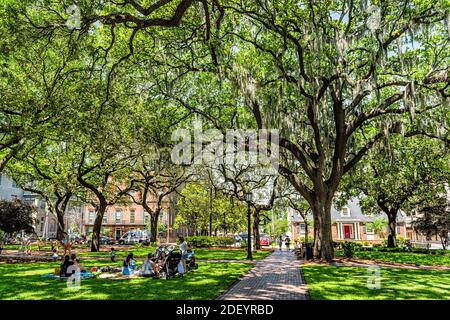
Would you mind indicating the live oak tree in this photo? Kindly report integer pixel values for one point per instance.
(102, 149)
(103, 168)
(400, 175)
(335, 78)
(32, 83)
(155, 181)
(48, 172)
(243, 176)
(321, 72)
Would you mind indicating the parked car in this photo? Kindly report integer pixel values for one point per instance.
(264, 240)
(244, 236)
(106, 240)
(135, 236)
(52, 238)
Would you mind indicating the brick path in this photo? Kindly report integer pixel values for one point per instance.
(277, 277)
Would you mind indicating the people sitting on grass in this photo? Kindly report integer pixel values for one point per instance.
(55, 254)
(64, 266)
(128, 265)
(150, 268)
(77, 264)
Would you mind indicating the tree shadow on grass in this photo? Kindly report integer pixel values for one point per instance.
(208, 282)
(331, 282)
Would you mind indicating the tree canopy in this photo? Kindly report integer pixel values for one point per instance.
(335, 78)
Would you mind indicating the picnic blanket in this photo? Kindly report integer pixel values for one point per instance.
(83, 275)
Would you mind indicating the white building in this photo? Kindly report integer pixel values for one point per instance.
(45, 222)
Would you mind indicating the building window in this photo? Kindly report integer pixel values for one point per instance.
(132, 216)
(118, 218)
(91, 216)
(42, 225)
(369, 230)
(397, 230)
(105, 218)
(345, 212)
(146, 218)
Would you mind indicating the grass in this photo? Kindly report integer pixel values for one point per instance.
(351, 283)
(24, 281)
(403, 257)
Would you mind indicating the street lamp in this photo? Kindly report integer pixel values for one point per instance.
(249, 199)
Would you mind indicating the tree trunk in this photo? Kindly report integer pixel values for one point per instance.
(95, 245)
(60, 225)
(392, 227)
(306, 229)
(256, 235)
(323, 241)
(210, 212)
(249, 234)
(153, 226)
(444, 241)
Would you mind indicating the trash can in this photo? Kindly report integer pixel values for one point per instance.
(309, 251)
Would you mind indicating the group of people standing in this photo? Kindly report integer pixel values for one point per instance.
(287, 242)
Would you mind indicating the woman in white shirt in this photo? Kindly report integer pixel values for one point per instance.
(183, 249)
(149, 268)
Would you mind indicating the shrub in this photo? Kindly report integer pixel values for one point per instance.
(349, 248)
(310, 239)
(401, 241)
(207, 241)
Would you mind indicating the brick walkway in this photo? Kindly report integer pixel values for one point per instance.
(277, 277)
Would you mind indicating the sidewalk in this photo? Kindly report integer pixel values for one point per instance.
(277, 277)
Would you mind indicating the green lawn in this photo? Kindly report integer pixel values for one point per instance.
(403, 257)
(200, 253)
(142, 252)
(350, 283)
(24, 281)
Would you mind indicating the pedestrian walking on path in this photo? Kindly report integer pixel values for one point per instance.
(277, 277)
(287, 242)
(280, 242)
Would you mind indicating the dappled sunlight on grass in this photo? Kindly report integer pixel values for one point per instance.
(403, 257)
(25, 282)
(351, 283)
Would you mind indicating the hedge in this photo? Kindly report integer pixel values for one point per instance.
(207, 241)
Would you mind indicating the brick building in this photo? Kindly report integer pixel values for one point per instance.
(119, 219)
